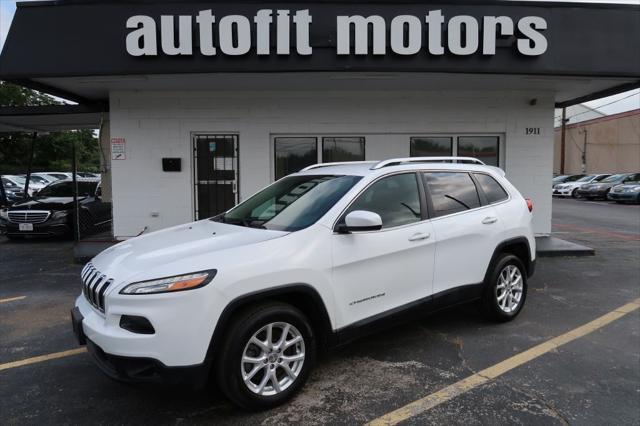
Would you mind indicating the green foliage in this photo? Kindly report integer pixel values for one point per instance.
(52, 152)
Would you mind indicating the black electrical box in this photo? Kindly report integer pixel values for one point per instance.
(171, 164)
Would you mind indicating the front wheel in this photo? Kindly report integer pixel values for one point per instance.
(574, 193)
(506, 289)
(266, 357)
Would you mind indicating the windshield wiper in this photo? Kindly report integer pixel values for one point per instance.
(457, 201)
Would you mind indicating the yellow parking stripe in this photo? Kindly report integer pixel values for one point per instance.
(446, 394)
(41, 358)
(12, 299)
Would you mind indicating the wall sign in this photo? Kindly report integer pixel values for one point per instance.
(235, 35)
(118, 149)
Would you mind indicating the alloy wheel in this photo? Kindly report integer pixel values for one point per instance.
(272, 359)
(509, 288)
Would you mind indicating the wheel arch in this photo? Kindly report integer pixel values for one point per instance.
(302, 296)
(519, 247)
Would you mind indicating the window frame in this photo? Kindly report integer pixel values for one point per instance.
(364, 145)
(275, 151)
(454, 142)
(481, 197)
(498, 150)
(452, 139)
(424, 206)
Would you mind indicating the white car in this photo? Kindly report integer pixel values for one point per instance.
(314, 260)
(570, 189)
(35, 184)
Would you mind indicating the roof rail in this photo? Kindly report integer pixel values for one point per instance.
(338, 163)
(396, 161)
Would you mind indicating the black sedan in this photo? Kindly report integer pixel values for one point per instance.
(626, 193)
(12, 192)
(51, 211)
(601, 189)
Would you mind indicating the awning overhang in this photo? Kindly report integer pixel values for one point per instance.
(50, 118)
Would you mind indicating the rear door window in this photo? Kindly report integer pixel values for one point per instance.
(491, 188)
(451, 192)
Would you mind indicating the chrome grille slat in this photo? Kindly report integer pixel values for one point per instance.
(28, 216)
(94, 286)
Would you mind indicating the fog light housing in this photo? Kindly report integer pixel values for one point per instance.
(136, 324)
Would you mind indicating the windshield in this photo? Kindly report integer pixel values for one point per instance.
(290, 204)
(574, 178)
(8, 184)
(37, 179)
(65, 189)
(614, 178)
(585, 179)
(560, 178)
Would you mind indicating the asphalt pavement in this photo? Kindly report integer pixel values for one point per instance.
(594, 379)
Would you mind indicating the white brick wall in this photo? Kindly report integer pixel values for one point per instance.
(160, 124)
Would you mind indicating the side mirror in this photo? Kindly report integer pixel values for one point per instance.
(361, 220)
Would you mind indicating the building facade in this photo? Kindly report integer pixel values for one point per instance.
(204, 104)
(609, 144)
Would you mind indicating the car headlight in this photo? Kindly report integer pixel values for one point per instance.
(636, 189)
(60, 214)
(170, 284)
(4, 214)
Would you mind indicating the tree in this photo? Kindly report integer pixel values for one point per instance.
(52, 152)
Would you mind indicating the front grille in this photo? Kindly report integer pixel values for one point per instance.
(94, 285)
(29, 216)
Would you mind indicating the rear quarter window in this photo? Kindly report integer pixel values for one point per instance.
(451, 192)
(491, 188)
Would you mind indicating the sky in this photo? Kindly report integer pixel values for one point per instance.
(609, 105)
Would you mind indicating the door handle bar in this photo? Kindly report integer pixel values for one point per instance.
(419, 236)
(489, 220)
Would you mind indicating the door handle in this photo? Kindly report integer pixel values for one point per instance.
(489, 220)
(419, 236)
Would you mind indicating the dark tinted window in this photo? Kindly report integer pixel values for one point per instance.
(395, 198)
(451, 192)
(484, 148)
(294, 154)
(65, 189)
(491, 188)
(431, 146)
(342, 149)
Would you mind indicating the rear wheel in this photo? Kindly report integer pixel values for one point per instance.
(266, 356)
(505, 289)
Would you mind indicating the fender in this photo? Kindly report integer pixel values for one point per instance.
(319, 315)
(528, 263)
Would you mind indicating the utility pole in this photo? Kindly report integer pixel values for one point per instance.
(28, 176)
(74, 167)
(562, 139)
(584, 152)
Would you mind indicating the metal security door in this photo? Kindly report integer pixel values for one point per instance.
(215, 173)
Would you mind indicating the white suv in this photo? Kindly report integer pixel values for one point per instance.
(318, 258)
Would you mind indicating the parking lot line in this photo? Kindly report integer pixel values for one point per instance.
(41, 358)
(12, 299)
(452, 391)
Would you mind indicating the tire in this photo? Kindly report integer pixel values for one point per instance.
(254, 321)
(501, 310)
(574, 193)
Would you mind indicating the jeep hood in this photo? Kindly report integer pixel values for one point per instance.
(172, 245)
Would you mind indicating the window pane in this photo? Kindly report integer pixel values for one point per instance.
(342, 149)
(294, 154)
(492, 189)
(451, 192)
(431, 146)
(395, 199)
(484, 148)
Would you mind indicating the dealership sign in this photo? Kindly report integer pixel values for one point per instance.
(432, 33)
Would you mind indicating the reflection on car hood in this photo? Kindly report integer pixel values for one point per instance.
(170, 245)
(45, 203)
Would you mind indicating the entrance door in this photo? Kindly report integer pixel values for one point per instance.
(215, 173)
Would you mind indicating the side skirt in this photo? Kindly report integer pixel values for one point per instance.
(409, 312)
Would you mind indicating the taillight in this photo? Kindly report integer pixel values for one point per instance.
(529, 204)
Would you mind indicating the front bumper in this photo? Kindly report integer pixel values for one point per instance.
(624, 196)
(39, 229)
(568, 192)
(592, 193)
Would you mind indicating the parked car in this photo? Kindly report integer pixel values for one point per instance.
(51, 211)
(19, 181)
(12, 191)
(627, 192)
(69, 175)
(313, 260)
(565, 178)
(570, 189)
(601, 189)
(46, 177)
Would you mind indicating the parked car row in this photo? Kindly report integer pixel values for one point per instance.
(38, 181)
(620, 187)
(51, 211)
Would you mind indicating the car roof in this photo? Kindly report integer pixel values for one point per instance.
(365, 168)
